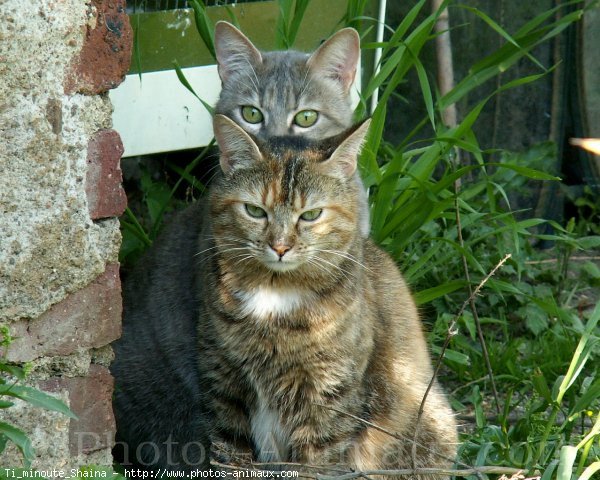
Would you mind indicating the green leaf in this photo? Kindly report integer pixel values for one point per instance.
(477, 401)
(368, 156)
(589, 471)
(37, 398)
(233, 17)
(3, 442)
(5, 404)
(591, 394)
(452, 355)
(425, 296)
(186, 84)
(541, 386)
(568, 454)
(592, 270)
(581, 355)
(549, 471)
(469, 321)
(12, 370)
(135, 227)
(204, 25)
(497, 28)
(588, 243)
(291, 13)
(20, 440)
(536, 319)
(526, 172)
(425, 90)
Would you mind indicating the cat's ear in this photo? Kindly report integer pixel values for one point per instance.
(238, 150)
(337, 58)
(343, 161)
(233, 50)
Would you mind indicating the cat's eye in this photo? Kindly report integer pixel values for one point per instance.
(306, 118)
(254, 211)
(311, 215)
(252, 114)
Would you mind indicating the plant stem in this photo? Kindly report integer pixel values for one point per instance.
(137, 228)
(546, 434)
(472, 300)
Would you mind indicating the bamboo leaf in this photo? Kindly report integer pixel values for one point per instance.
(204, 25)
(429, 294)
(186, 84)
(368, 156)
(592, 393)
(581, 355)
(425, 89)
(498, 29)
(233, 17)
(526, 171)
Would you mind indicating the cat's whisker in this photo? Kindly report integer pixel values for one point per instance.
(212, 248)
(255, 81)
(342, 271)
(243, 259)
(316, 264)
(305, 83)
(320, 257)
(347, 256)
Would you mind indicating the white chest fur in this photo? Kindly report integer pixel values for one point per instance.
(266, 302)
(271, 438)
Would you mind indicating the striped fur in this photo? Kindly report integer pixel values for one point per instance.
(287, 351)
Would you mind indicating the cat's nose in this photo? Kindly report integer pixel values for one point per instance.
(280, 248)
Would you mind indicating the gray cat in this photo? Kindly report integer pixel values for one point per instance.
(161, 418)
(273, 94)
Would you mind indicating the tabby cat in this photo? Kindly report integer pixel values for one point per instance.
(157, 396)
(305, 324)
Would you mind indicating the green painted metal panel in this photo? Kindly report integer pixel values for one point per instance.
(162, 37)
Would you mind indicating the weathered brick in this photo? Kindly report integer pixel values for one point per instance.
(90, 317)
(106, 53)
(91, 400)
(105, 194)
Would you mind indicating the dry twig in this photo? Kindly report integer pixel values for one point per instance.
(451, 332)
(472, 300)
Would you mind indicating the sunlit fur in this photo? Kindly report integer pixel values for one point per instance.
(281, 347)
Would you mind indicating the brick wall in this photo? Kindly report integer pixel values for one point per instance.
(60, 191)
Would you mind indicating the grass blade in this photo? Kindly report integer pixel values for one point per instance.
(186, 84)
(204, 25)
